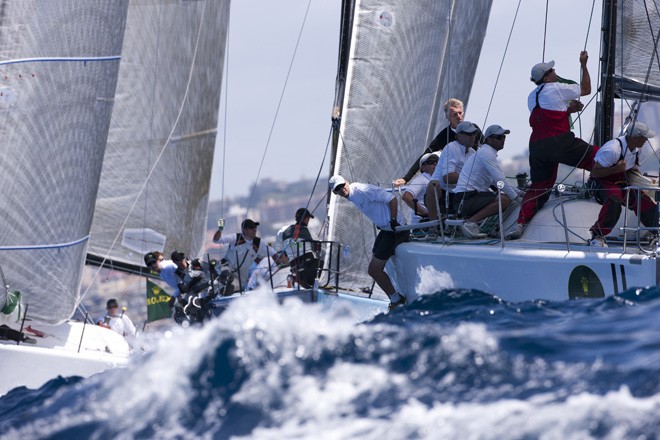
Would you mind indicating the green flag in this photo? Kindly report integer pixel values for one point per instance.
(157, 299)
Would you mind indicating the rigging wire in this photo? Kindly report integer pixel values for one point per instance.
(499, 71)
(224, 123)
(279, 105)
(545, 29)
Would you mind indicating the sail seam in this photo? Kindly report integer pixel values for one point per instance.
(45, 246)
(60, 59)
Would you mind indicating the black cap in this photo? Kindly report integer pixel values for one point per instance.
(150, 259)
(177, 256)
(302, 213)
(111, 303)
(249, 224)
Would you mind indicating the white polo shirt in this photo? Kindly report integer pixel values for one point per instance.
(609, 154)
(451, 160)
(373, 202)
(481, 170)
(554, 96)
(417, 188)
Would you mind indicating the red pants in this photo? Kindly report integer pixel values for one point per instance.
(544, 157)
(614, 197)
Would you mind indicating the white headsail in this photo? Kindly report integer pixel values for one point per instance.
(156, 173)
(58, 72)
(405, 59)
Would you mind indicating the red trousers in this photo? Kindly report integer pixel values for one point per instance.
(614, 197)
(544, 157)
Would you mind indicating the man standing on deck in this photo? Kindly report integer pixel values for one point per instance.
(454, 112)
(381, 208)
(552, 142)
(119, 322)
(245, 248)
(612, 161)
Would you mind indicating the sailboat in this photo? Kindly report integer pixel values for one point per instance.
(107, 147)
(553, 260)
(385, 98)
(383, 106)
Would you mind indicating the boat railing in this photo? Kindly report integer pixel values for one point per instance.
(317, 260)
(639, 228)
(564, 193)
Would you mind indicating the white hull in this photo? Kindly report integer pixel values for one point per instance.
(57, 354)
(542, 265)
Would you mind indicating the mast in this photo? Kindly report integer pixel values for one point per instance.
(605, 118)
(346, 31)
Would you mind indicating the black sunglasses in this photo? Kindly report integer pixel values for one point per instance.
(430, 162)
(499, 137)
(338, 188)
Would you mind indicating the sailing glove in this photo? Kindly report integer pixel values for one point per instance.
(221, 224)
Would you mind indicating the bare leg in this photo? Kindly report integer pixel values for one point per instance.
(431, 199)
(377, 272)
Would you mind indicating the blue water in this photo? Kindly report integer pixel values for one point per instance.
(457, 364)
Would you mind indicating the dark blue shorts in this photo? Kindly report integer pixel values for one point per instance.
(387, 241)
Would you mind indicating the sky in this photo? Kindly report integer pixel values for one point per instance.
(261, 42)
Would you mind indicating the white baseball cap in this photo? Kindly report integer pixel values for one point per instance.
(336, 181)
(426, 157)
(640, 129)
(495, 129)
(539, 70)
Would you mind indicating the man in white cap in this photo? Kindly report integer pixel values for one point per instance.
(381, 208)
(474, 200)
(439, 191)
(414, 194)
(454, 112)
(552, 142)
(612, 161)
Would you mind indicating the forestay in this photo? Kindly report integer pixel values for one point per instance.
(405, 60)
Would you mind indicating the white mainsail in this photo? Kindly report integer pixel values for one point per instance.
(165, 119)
(58, 72)
(406, 59)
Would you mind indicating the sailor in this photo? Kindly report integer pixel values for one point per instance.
(244, 249)
(454, 112)
(119, 322)
(474, 199)
(609, 173)
(275, 268)
(439, 191)
(552, 142)
(302, 248)
(196, 287)
(381, 208)
(414, 194)
(156, 262)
